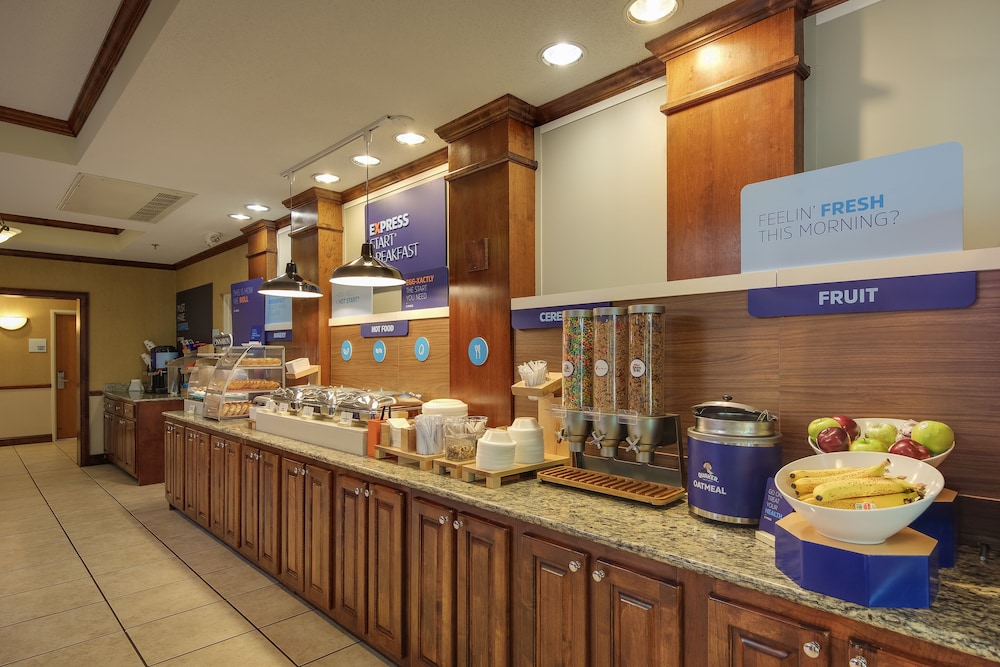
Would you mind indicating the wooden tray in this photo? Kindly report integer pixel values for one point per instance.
(552, 385)
(445, 466)
(612, 485)
(494, 478)
(423, 461)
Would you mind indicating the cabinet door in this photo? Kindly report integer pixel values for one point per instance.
(293, 555)
(349, 553)
(250, 503)
(197, 462)
(483, 592)
(318, 536)
(269, 535)
(552, 617)
(126, 445)
(432, 584)
(636, 618)
(217, 486)
(110, 426)
(740, 635)
(231, 517)
(171, 453)
(865, 655)
(386, 556)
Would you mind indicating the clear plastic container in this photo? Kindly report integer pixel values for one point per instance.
(611, 359)
(578, 359)
(461, 435)
(647, 349)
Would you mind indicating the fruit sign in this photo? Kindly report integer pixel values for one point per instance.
(892, 206)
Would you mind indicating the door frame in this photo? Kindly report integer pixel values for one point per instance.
(53, 317)
(84, 457)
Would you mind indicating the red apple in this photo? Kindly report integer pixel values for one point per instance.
(834, 439)
(850, 425)
(911, 448)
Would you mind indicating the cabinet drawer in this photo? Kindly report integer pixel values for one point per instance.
(127, 410)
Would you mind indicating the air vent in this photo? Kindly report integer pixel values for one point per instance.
(122, 200)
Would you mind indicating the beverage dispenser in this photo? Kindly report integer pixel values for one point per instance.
(159, 356)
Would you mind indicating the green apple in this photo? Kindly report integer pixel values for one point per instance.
(869, 445)
(817, 425)
(882, 431)
(935, 436)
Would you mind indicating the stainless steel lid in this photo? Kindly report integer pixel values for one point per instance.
(726, 417)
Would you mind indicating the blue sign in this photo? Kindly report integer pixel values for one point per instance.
(545, 318)
(398, 328)
(944, 290)
(428, 289)
(346, 350)
(378, 351)
(891, 206)
(247, 307)
(478, 351)
(408, 229)
(421, 349)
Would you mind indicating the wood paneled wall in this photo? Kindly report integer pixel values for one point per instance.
(933, 364)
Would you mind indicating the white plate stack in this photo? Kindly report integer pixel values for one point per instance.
(527, 434)
(495, 450)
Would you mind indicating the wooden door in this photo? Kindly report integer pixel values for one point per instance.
(269, 535)
(483, 588)
(293, 555)
(350, 527)
(110, 429)
(173, 454)
(743, 636)
(67, 381)
(552, 581)
(318, 536)
(386, 569)
(636, 619)
(197, 462)
(126, 445)
(217, 486)
(250, 504)
(432, 584)
(231, 515)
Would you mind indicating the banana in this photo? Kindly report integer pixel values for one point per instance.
(819, 472)
(860, 487)
(868, 502)
(808, 484)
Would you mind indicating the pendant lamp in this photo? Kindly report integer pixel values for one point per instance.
(367, 270)
(291, 284)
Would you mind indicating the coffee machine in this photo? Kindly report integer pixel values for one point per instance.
(159, 356)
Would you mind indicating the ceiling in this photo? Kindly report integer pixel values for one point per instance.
(211, 101)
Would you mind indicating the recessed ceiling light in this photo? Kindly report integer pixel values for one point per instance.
(259, 208)
(562, 54)
(239, 216)
(365, 160)
(325, 178)
(410, 138)
(647, 12)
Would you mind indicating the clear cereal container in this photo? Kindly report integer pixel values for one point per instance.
(647, 372)
(578, 359)
(611, 359)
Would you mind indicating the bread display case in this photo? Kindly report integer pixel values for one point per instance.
(241, 374)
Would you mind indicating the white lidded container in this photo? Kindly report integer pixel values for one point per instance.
(527, 435)
(445, 407)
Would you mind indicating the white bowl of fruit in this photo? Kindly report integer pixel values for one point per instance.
(928, 441)
(859, 497)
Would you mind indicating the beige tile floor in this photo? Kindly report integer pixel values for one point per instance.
(95, 570)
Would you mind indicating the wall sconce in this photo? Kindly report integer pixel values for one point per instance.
(12, 322)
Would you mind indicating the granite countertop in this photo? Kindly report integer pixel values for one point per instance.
(962, 617)
(125, 395)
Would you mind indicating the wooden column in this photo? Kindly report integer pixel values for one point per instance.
(734, 116)
(262, 249)
(317, 249)
(491, 245)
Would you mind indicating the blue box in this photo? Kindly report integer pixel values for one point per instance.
(902, 572)
(940, 521)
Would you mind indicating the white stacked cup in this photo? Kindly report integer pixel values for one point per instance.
(527, 435)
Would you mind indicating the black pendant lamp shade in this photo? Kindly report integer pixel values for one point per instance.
(367, 271)
(291, 284)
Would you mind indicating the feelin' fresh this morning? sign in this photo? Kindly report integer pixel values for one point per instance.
(892, 206)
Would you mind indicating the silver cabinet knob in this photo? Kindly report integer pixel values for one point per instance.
(458, 524)
(811, 649)
(858, 661)
(442, 519)
(357, 490)
(368, 492)
(598, 575)
(574, 566)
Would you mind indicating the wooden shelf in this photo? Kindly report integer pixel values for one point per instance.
(312, 370)
(551, 386)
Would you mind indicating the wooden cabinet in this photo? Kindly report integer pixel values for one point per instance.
(260, 507)
(224, 490)
(459, 598)
(369, 562)
(173, 464)
(742, 635)
(573, 613)
(306, 495)
(133, 432)
(197, 460)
